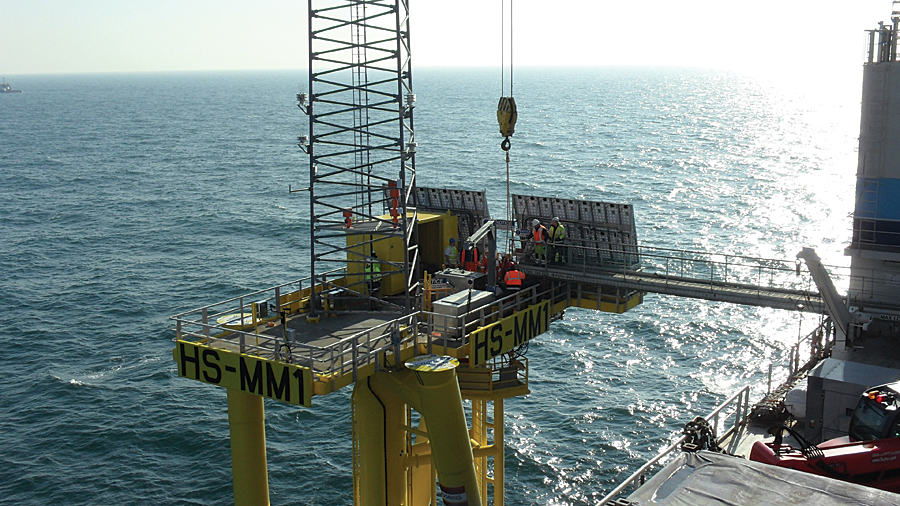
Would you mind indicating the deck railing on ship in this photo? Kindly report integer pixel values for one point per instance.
(738, 409)
(734, 411)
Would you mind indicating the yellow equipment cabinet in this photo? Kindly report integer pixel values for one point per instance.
(434, 233)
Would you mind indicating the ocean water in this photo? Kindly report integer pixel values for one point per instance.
(128, 198)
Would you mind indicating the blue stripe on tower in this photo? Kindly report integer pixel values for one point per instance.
(877, 216)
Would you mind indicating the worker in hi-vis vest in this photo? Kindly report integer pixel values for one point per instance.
(470, 258)
(513, 278)
(373, 274)
(539, 236)
(451, 255)
(557, 236)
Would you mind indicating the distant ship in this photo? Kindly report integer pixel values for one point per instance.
(6, 88)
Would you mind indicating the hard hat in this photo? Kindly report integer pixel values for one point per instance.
(452, 239)
(556, 219)
(536, 222)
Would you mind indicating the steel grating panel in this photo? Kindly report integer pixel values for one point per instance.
(469, 206)
(601, 234)
(422, 197)
(598, 211)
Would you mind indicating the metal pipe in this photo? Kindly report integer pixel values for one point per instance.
(246, 423)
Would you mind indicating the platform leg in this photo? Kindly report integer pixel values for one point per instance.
(499, 457)
(247, 424)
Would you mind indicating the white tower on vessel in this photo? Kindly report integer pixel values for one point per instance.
(875, 246)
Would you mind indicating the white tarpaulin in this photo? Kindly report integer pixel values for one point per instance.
(706, 478)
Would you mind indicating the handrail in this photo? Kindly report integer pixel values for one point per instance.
(350, 352)
(638, 477)
(715, 268)
(246, 295)
(820, 339)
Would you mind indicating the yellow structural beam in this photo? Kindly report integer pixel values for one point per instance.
(491, 341)
(428, 384)
(441, 404)
(274, 379)
(247, 424)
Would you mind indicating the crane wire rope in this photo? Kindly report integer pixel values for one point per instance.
(506, 108)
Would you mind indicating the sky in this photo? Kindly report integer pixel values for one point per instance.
(87, 36)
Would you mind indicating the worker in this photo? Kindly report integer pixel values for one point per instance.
(373, 275)
(503, 266)
(470, 258)
(539, 236)
(513, 278)
(557, 236)
(483, 264)
(451, 255)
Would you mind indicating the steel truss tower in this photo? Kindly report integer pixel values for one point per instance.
(361, 143)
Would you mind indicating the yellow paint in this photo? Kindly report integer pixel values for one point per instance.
(298, 300)
(435, 395)
(609, 304)
(422, 473)
(326, 384)
(368, 440)
(477, 383)
(384, 456)
(254, 375)
(246, 423)
(388, 469)
(432, 363)
(509, 333)
(434, 232)
(499, 455)
(440, 403)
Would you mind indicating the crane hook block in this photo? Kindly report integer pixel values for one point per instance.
(507, 115)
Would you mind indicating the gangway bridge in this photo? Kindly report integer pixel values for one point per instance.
(751, 281)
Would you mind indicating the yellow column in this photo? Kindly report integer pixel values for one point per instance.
(379, 417)
(441, 404)
(500, 456)
(368, 432)
(246, 421)
(430, 386)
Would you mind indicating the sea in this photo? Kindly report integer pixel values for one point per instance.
(127, 198)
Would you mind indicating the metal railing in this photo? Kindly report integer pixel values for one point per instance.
(740, 402)
(348, 354)
(496, 375)
(881, 44)
(713, 269)
(278, 296)
(819, 342)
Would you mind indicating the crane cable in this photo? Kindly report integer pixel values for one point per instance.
(506, 108)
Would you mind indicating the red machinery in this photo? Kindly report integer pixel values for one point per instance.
(869, 455)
